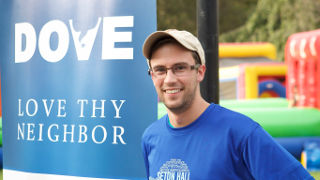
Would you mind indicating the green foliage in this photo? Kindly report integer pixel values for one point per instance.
(274, 21)
(182, 14)
(234, 13)
(177, 14)
(246, 20)
(315, 174)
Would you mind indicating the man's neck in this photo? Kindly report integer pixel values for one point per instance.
(188, 116)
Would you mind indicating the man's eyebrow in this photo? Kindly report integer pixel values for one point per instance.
(160, 66)
(181, 63)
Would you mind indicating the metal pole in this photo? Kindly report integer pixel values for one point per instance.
(207, 24)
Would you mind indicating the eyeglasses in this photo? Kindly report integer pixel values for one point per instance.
(183, 69)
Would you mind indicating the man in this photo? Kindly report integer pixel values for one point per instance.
(197, 140)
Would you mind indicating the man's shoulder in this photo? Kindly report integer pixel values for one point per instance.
(228, 116)
(232, 121)
(155, 127)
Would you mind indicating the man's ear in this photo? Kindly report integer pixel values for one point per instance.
(201, 72)
(150, 73)
(152, 77)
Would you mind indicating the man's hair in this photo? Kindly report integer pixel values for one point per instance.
(170, 40)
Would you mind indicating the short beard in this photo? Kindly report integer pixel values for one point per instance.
(185, 105)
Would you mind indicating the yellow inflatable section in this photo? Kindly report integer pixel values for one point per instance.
(263, 49)
(252, 73)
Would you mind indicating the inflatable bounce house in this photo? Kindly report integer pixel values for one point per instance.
(294, 118)
(302, 56)
(249, 70)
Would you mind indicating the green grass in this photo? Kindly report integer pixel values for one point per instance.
(316, 175)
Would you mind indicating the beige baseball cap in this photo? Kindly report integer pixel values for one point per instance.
(185, 38)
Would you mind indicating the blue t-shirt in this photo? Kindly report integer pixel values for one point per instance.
(220, 144)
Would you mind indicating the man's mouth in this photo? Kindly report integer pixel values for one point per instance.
(172, 91)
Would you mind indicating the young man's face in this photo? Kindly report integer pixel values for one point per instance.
(176, 91)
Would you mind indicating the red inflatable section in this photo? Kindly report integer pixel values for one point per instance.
(302, 55)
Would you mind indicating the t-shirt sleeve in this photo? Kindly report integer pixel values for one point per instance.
(266, 159)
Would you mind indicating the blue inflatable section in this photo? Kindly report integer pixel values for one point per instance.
(272, 85)
(312, 156)
(296, 145)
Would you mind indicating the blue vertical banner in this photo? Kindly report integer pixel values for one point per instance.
(76, 96)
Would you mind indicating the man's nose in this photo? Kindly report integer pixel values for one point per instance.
(170, 76)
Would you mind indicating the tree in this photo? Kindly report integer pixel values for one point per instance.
(177, 14)
(274, 21)
(182, 14)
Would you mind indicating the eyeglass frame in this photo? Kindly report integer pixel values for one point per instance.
(191, 67)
